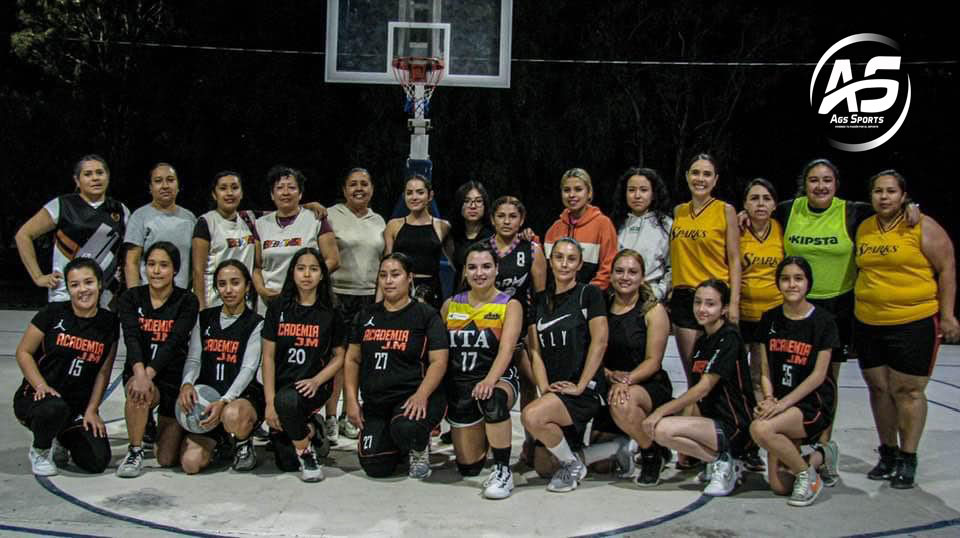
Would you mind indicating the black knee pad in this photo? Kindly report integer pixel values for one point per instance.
(410, 434)
(52, 410)
(286, 401)
(470, 469)
(495, 408)
(380, 466)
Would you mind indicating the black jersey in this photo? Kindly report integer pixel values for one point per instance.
(222, 350)
(792, 348)
(722, 353)
(305, 337)
(91, 232)
(564, 332)
(72, 351)
(513, 270)
(157, 337)
(394, 349)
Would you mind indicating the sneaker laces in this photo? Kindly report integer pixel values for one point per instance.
(309, 459)
(133, 457)
(801, 483)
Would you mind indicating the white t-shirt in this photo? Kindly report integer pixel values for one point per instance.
(148, 225)
(360, 241)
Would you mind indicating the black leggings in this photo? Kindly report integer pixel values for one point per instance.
(294, 412)
(388, 436)
(52, 417)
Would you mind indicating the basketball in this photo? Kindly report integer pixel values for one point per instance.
(191, 420)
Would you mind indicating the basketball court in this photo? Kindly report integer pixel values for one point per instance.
(220, 502)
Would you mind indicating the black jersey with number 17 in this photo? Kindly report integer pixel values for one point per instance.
(564, 332)
(304, 336)
(394, 349)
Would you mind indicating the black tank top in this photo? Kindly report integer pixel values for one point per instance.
(223, 349)
(513, 271)
(420, 242)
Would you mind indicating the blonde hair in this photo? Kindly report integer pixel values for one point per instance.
(582, 175)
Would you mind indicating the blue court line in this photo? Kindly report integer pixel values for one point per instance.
(909, 530)
(945, 383)
(46, 532)
(49, 486)
(954, 409)
(699, 503)
(111, 387)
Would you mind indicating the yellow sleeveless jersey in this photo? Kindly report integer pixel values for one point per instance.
(759, 258)
(896, 283)
(698, 244)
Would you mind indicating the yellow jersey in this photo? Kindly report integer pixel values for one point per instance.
(760, 257)
(896, 283)
(698, 244)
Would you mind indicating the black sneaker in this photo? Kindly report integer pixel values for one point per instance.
(753, 462)
(150, 432)
(320, 442)
(887, 466)
(651, 465)
(906, 471)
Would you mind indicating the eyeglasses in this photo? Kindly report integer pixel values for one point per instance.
(473, 201)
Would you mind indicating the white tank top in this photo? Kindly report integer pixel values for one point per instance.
(279, 244)
(229, 240)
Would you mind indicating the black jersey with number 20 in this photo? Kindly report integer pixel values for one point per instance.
(394, 349)
(304, 336)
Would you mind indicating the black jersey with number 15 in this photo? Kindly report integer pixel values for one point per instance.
(394, 349)
(305, 337)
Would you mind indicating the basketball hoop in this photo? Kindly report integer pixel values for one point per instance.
(418, 76)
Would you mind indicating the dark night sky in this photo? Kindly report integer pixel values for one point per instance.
(206, 111)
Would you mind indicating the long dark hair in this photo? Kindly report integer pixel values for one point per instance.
(290, 295)
(243, 271)
(85, 263)
(167, 247)
(457, 224)
(660, 204)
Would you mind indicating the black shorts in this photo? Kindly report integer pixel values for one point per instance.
(750, 331)
(462, 409)
(582, 409)
(841, 307)
(254, 395)
(739, 439)
(375, 443)
(910, 348)
(658, 388)
(169, 393)
(817, 410)
(681, 308)
(349, 305)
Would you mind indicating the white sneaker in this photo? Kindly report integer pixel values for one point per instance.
(500, 483)
(331, 429)
(348, 429)
(61, 456)
(723, 478)
(420, 464)
(806, 488)
(132, 465)
(41, 462)
(310, 469)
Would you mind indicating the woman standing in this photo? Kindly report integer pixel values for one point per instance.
(470, 226)
(482, 383)
(587, 225)
(721, 390)
(303, 348)
(88, 224)
(704, 245)
(224, 233)
(66, 355)
(633, 365)
(359, 233)
(567, 342)
(397, 358)
(905, 296)
(643, 216)
(286, 231)
(225, 354)
(160, 220)
(156, 319)
(797, 403)
(422, 238)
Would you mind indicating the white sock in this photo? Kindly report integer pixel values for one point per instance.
(634, 447)
(602, 451)
(562, 451)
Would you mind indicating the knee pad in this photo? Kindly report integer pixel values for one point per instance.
(495, 408)
(410, 434)
(380, 466)
(470, 469)
(286, 401)
(52, 409)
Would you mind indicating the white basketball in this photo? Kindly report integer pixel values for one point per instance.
(191, 420)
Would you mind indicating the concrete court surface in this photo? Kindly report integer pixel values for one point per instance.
(165, 502)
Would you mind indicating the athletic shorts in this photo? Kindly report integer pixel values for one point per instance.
(817, 410)
(255, 396)
(658, 388)
(375, 441)
(681, 308)
(582, 409)
(169, 393)
(462, 409)
(349, 305)
(750, 331)
(910, 348)
(841, 307)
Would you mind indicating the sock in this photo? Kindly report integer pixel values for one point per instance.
(600, 451)
(242, 441)
(562, 451)
(501, 456)
(136, 448)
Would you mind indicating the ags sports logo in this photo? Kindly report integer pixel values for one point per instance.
(860, 113)
(295, 242)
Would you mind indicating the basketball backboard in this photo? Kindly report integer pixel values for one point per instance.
(472, 37)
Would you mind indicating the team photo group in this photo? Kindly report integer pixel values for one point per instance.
(300, 323)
